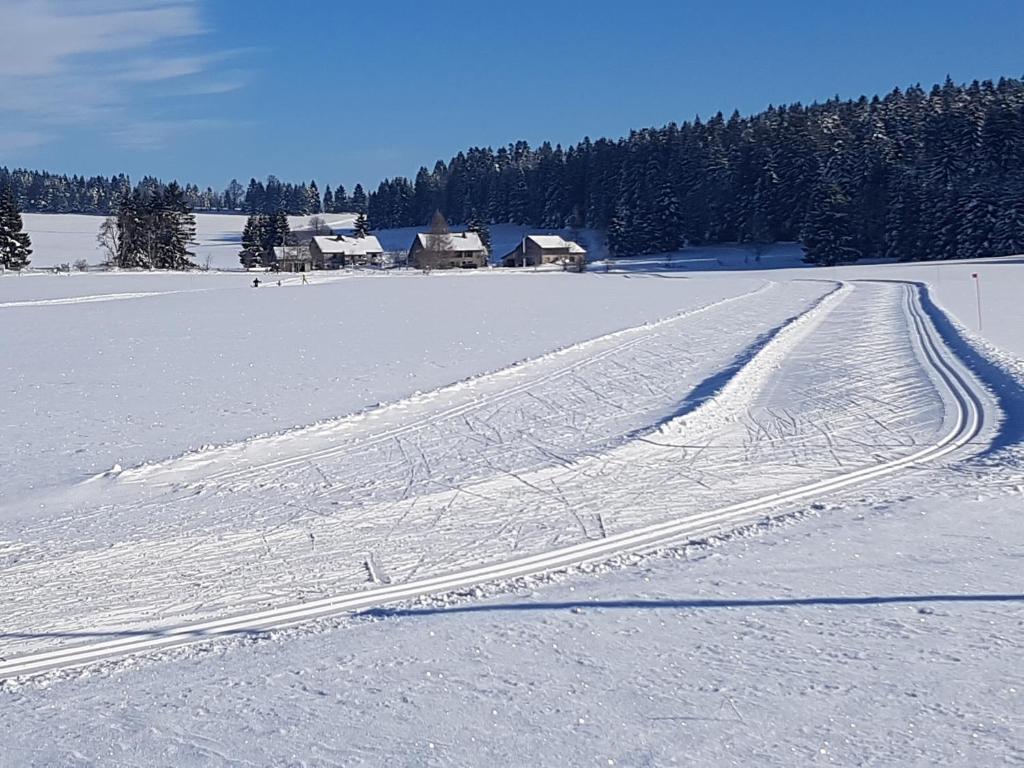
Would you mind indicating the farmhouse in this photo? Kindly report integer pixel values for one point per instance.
(293, 258)
(534, 250)
(451, 250)
(339, 251)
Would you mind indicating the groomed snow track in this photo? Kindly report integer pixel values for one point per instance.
(966, 425)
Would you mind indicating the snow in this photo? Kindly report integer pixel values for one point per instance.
(957, 291)
(555, 241)
(504, 238)
(827, 640)
(180, 447)
(201, 359)
(66, 238)
(459, 241)
(350, 246)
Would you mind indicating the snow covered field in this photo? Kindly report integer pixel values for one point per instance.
(877, 623)
(66, 238)
(166, 364)
(823, 642)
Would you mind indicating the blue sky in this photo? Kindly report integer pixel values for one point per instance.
(207, 90)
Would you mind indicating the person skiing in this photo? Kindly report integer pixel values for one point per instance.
(256, 282)
(304, 280)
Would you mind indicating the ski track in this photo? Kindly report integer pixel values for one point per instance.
(470, 394)
(100, 297)
(812, 409)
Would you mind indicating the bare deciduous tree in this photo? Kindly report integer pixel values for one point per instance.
(439, 245)
(107, 238)
(318, 225)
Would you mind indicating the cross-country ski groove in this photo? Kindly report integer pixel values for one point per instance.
(630, 337)
(965, 424)
(102, 297)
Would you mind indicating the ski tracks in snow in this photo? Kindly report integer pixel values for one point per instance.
(810, 408)
(100, 297)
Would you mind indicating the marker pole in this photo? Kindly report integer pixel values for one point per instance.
(977, 295)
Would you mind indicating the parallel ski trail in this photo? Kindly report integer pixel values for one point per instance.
(962, 423)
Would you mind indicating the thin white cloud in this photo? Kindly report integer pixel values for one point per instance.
(101, 64)
(41, 37)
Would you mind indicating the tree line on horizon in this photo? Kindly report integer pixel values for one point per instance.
(912, 175)
(915, 174)
(44, 192)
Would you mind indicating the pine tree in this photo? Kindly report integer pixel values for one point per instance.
(253, 238)
(475, 224)
(342, 204)
(313, 197)
(946, 208)
(519, 199)
(255, 197)
(976, 231)
(328, 204)
(618, 235)
(361, 226)
(903, 223)
(666, 220)
(176, 229)
(135, 243)
(828, 237)
(15, 244)
(1009, 229)
(279, 230)
(359, 199)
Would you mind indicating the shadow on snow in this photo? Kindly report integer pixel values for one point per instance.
(794, 602)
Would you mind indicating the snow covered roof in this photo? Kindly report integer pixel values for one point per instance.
(555, 242)
(348, 246)
(460, 241)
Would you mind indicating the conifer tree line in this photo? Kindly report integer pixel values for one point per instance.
(42, 192)
(916, 174)
(274, 196)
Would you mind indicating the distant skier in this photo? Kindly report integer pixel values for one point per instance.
(256, 282)
(304, 280)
